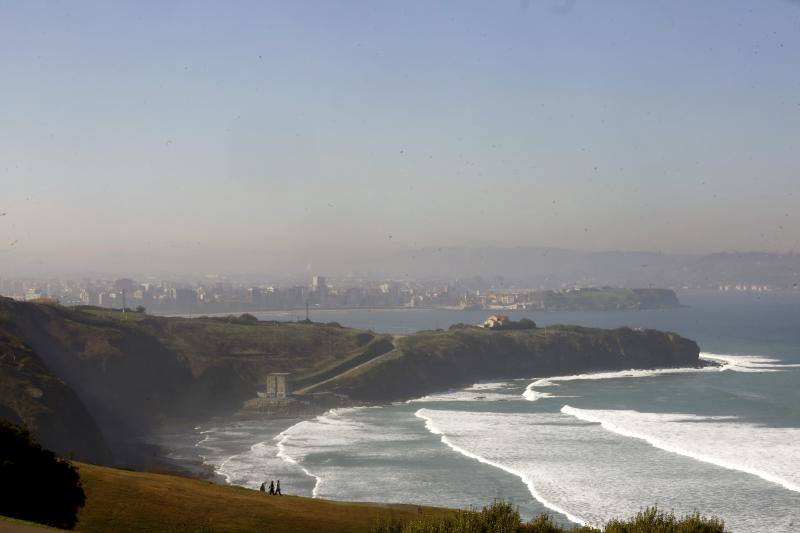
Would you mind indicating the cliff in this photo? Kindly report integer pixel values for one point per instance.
(436, 360)
(90, 368)
(31, 395)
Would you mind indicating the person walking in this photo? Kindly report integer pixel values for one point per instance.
(263, 487)
(272, 488)
(278, 488)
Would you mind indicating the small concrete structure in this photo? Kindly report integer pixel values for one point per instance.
(278, 385)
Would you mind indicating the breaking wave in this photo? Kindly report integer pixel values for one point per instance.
(769, 453)
(734, 363)
(430, 425)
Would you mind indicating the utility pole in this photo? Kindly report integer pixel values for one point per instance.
(307, 319)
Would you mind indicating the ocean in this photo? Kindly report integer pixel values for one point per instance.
(721, 441)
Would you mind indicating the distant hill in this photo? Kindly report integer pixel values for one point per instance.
(551, 267)
(603, 299)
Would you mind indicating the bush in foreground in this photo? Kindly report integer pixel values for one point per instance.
(34, 484)
(501, 517)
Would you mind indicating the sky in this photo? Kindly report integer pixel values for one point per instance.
(166, 133)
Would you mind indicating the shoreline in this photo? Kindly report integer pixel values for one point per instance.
(209, 472)
(302, 310)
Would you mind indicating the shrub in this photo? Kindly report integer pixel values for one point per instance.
(501, 517)
(651, 520)
(523, 323)
(35, 485)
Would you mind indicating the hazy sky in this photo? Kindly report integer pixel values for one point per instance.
(134, 129)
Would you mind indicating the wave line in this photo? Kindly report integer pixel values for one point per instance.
(431, 427)
(587, 416)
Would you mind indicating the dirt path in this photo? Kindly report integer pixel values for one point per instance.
(346, 371)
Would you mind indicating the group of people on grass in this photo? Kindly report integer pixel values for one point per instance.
(274, 490)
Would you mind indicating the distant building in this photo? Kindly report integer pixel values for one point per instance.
(104, 299)
(88, 297)
(124, 284)
(255, 296)
(278, 385)
(185, 299)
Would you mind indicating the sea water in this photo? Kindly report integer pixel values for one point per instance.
(584, 448)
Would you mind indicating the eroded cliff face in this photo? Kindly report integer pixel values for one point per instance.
(132, 375)
(435, 361)
(31, 395)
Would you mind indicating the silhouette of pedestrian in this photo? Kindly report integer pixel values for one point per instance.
(272, 488)
(263, 487)
(278, 488)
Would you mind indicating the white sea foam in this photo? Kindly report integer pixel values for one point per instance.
(769, 453)
(426, 415)
(229, 449)
(591, 475)
(478, 392)
(281, 439)
(735, 363)
(748, 363)
(340, 432)
(465, 396)
(531, 394)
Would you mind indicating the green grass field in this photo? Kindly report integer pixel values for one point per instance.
(127, 501)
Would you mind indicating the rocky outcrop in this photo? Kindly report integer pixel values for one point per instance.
(32, 396)
(439, 360)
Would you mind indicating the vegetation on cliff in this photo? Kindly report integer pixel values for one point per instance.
(34, 484)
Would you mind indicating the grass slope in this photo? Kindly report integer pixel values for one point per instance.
(128, 501)
(12, 525)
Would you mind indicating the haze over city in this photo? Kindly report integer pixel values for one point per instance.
(190, 137)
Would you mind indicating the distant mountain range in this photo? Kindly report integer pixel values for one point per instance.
(528, 266)
(551, 267)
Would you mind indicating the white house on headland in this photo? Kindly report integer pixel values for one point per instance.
(495, 321)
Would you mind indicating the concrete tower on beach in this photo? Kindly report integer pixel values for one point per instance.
(278, 385)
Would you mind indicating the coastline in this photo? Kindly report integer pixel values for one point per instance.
(491, 309)
(199, 466)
